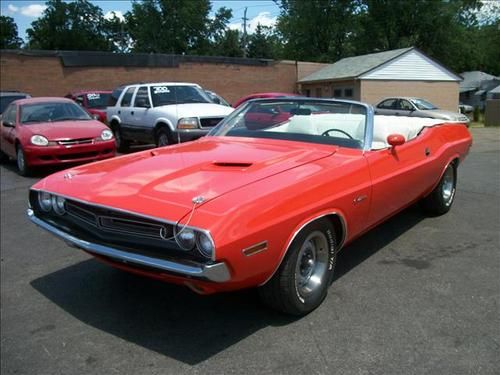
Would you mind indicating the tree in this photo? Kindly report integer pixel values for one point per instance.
(76, 25)
(228, 44)
(317, 30)
(9, 38)
(116, 32)
(264, 43)
(175, 26)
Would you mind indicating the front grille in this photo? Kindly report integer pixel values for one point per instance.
(80, 155)
(80, 141)
(210, 122)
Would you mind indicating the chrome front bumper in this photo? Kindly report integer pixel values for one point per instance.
(217, 272)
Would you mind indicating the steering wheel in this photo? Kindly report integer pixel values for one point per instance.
(326, 132)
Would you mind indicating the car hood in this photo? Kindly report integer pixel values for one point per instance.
(163, 182)
(198, 110)
(443, 114)
(54, 131)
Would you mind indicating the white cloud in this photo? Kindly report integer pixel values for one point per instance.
(118, 13)
(263, 18)
(12, 8)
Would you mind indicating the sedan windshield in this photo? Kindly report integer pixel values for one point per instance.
(52, 112)
(423, 104)
(317, 121)
(165, 95)
(97, 99)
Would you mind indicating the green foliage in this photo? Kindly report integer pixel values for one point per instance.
(228, 44)
(9, 38)
(264, 43)
(175, 26)
(76, 25)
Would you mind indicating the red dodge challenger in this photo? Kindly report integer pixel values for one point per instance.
(265, 206)
(47, 131)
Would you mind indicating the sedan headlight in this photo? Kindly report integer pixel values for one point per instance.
(45, 201)
(58, 205)
(106, 135)
(39, 140)
(185, 237)
(188, 123)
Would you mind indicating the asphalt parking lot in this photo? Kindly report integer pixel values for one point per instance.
(416, 295)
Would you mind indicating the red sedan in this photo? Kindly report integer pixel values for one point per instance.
(94, 101)
(48, 131)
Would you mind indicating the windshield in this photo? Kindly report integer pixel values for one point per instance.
(316, 121)
(423, 104)
(165, 95)
(6, 100)
(97, 100)
(52, 112)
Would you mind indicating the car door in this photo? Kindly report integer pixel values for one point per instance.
(386, 107)
(404, 108)
(141, 105)
(126, 113)
(9, 132)
(400, 175)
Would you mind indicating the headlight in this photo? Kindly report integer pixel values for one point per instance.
(58, 205)
(205, 244)
(185, 237)
(45, 201)
(106, 135)
(188, 123)
(39, 140)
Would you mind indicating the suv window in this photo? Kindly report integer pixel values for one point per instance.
(142, 94)
(165, 95)
(10, 114)
(387, 104)
(127, 98)
(115, 95)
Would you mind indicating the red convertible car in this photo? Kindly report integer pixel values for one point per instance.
(48, 131)
(266, 207)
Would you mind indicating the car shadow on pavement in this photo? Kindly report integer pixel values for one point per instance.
(171, 319)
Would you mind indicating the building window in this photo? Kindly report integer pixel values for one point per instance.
(308, 93)
(337, 93)
(318, 92)
(348, 93)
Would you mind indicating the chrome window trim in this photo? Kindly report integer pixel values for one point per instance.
(206, 231)
(339, 246)
(216, 272)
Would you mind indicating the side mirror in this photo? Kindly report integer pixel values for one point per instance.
(8, 124)
(396, 140)
(142, 103)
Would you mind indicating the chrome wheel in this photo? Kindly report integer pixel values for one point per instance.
(312, 264)
(448, 185)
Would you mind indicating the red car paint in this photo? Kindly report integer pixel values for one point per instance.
(84, 98)
(56, 132)
(262, 95)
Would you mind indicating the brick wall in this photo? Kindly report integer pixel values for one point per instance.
(46, 75)
(444, 95)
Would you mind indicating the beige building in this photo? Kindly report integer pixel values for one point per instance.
(371, 78)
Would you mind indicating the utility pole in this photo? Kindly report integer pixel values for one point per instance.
(245, 32)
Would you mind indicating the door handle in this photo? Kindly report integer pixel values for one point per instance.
(132, 113)
(427, 151)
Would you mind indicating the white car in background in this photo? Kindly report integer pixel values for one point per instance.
(162, 113)
(416, 107)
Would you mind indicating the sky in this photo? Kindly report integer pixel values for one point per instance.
(264, 12)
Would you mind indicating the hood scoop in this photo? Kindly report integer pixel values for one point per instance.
(232, 164)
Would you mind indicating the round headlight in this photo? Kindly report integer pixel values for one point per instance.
(205, 244)
(106, 135)
(45, 201)
(39, 140)
(58, 205)
(185, 237)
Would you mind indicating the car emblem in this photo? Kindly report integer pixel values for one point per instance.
(163, 233)
(68, 176)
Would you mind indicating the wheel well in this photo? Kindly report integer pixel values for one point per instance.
(160, 126)
(17, 143)
(339, 227)
(114, 123)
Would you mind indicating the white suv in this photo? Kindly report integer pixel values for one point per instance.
(162, 113)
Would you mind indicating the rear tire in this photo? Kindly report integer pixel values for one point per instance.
(22, 166)
(122, 145)
(301, 282)
(439, 201)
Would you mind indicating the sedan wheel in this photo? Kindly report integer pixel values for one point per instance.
(22, 166)
(301, 282)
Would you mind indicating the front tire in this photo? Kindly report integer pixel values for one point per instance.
(122, 145)
(301, 282)
(439, 201)
(22, 166)
(163, 137)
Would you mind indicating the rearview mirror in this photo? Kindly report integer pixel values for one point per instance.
(8, 124)
(396, 140)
